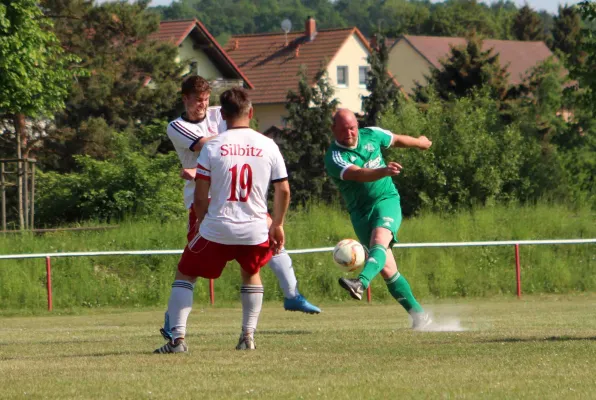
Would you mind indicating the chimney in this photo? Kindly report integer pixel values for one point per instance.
(310, 28)
(373, 41)
(297, 50)
(236, 45)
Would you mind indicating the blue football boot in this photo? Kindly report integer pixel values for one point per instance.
(299, 303)
(166, 332)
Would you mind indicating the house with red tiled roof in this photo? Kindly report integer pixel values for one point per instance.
(412, 57)
(271, 61)
(201, 53)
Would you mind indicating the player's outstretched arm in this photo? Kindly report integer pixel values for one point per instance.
(357, 174)
(200, 143)
(201, 199)
(406, 141)
(281, 202)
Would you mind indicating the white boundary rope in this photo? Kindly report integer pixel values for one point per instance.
(301, 251)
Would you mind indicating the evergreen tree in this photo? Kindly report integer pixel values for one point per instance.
(528, 25)
(567, 34)
(586, 72)
(457, 18)
(468, 67)
(382, 87)
(133, 80)
(307, 137)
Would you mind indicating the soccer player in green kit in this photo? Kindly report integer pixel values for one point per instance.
(356, 165)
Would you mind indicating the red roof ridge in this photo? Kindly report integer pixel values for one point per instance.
(165, 21)
(289, 33)
(484, 39)
(193, 23)
(269, 63)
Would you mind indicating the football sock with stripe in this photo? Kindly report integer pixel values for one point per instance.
(281, 265)
(179, 307)
(252, 301)
(400, 289)
(374, 264)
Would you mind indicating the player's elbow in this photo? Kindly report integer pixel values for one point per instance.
(283, 188)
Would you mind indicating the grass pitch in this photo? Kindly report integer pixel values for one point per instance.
(539, 347)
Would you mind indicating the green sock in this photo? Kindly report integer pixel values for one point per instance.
(400, 289)
(374, 264)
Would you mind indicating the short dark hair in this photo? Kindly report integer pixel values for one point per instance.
(235, 103)
(195, 85)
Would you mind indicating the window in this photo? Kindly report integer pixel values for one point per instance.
(342, 76)
(362, 75)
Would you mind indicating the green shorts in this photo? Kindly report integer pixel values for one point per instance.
(385, 214)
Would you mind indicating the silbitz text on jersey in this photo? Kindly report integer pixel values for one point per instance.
(239, 150)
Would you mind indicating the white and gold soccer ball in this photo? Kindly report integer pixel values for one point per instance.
(349, 255)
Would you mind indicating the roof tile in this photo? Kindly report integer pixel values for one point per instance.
(176, 31)
(272, 66)
(519, 57)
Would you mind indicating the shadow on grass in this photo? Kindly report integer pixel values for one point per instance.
(57, 342)
(292, 332)
(544, 339)
(79, 355)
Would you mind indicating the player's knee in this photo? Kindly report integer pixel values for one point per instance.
(388, 270)
(381, 236)
(182, 277)
(250, 278)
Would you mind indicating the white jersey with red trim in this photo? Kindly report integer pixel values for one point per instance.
(184, 134)
(240, 163)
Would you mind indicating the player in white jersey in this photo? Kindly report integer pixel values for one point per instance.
(236, 168)
(188, 134)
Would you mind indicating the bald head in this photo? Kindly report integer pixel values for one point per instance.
(342, 115)
(345, 127)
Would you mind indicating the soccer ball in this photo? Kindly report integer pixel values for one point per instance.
(349, 255)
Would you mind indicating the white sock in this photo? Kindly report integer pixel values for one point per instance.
(281, 265)
(252, 300)
(179, 307)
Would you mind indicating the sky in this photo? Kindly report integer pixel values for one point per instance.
(548, 5)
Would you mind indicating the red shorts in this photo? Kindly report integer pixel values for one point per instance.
(207, 259)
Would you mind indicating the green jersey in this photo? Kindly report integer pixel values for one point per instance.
(360, 197)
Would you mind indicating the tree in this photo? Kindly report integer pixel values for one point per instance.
(541, 98)
(567, 34)
(504, 12)
(133, 79)
(398, 17)
(468, 67)
(357, 13)
(586, 73)
(383, 90)
(307, 137)
(35, 72)
(528, 26)
(458, 18)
